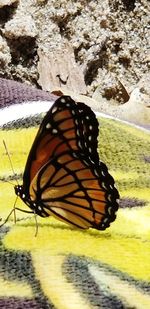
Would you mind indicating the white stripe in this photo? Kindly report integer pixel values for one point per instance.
(98, 114)
(128, 293)
(23, 110)
(30, 108)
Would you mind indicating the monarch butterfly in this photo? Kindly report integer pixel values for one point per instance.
(63, 176)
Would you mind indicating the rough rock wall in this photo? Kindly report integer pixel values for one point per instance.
(110, 40)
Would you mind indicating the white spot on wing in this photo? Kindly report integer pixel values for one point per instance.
(54, 131)
(74, 155)
(39, 208)
(79, 144)
(109, 197)
(109, 210)
(54, 109)
(103, 185)
(96, 173)
(48, 126)
(62, 100)
(102, 172)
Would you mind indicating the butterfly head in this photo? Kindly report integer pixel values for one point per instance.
(19, 191)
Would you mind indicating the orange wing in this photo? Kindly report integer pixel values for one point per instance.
(75, 191)
(68, 126)
(63, 176)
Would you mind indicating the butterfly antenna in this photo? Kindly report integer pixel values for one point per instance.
(7, 182)
(10, 161)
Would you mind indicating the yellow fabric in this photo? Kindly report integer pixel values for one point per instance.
(68, 268)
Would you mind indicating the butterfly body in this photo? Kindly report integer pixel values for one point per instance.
(63, 176)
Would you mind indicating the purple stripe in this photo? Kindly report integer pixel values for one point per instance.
(12, 92)
(16, 303)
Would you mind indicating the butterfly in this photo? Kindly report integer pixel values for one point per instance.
(63, 176)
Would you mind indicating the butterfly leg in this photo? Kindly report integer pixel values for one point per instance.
(13, 210)
(36, 224)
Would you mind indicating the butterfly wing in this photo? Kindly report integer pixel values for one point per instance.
(63, 176)
(76, 191)
(90, 131)
(68, 126)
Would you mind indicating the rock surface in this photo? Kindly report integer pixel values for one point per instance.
(20, 26)
(109, 39)
(6, 2)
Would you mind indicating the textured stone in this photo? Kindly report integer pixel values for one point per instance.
(5, 56)
(20, 26)
(107, 37)
(61, 71)
(7, 2)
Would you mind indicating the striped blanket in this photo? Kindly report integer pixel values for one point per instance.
(66, 268)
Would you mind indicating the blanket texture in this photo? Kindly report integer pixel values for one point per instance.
(62, 267)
